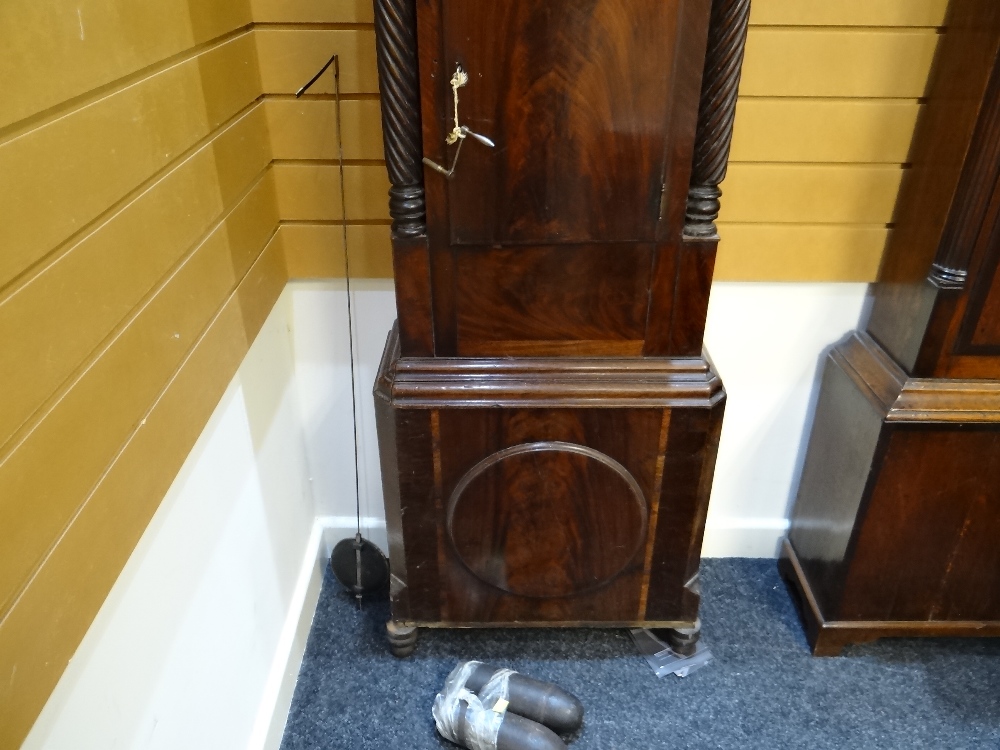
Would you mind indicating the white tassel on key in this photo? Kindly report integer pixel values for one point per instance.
(457, 81)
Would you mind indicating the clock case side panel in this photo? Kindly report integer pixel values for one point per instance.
(685, 261)
(682, 266)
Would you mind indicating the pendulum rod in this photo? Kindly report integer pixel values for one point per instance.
(335, 62)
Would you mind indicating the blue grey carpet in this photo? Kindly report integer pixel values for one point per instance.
(764, 690)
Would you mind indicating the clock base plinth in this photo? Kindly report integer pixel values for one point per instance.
(546, 491)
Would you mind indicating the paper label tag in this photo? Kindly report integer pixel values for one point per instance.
(501, 705)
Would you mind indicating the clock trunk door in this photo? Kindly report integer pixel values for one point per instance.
(545, 244)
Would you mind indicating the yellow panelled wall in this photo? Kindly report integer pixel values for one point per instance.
(294, 39)
(829, 99)
(138, 258)
(159, 185)
(828, 102)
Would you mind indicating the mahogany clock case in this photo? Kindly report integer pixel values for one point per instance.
(896, 525)
(548, 420)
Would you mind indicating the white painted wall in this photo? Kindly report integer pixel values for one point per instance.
(322, 369)
(766, 340)
(199, 642)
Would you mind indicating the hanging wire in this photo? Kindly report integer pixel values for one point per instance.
(335, 62)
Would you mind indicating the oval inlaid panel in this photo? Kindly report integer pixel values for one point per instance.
(547, 519)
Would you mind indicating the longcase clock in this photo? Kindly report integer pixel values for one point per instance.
(548, 419)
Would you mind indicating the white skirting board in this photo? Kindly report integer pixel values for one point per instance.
(280, 687)
(269, 725)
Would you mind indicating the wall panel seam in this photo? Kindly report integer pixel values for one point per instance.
(338, 222)
(40, 119)
(332, 162)
(43, 410)
(807, 164)
(234, 292)
(847, 29)
(828, 224)
(349, 97)
(857, 98)
(41, 264)
(824, 99)
(314, 26)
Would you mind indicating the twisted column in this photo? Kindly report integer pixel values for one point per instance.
(399, 83)
(723, 61)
